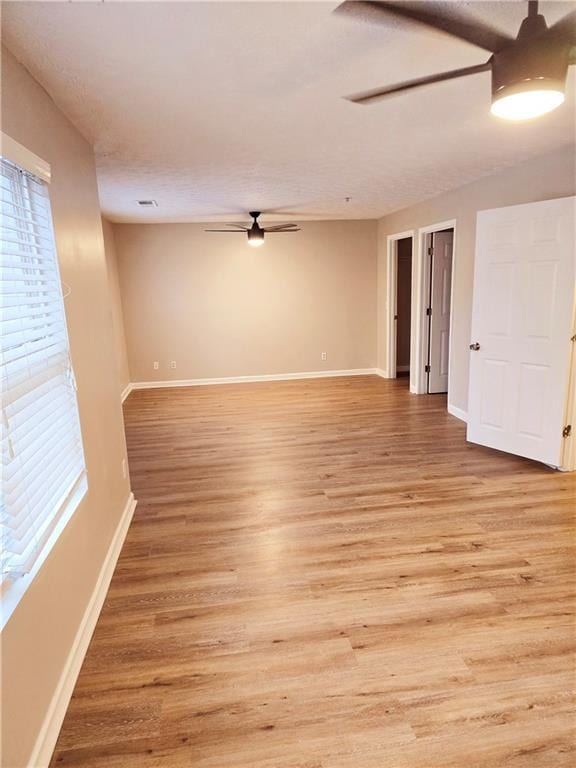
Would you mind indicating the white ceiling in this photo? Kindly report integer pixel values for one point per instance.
(216, 108)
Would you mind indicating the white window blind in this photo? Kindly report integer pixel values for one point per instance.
(42, 455)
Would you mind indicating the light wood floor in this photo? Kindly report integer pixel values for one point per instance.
(323, 574)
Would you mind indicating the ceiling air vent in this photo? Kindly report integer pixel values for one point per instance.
(147, 203)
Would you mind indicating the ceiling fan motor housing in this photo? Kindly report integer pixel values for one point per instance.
(255, 233)
(537, 64)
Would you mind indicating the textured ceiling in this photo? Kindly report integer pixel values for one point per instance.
(217, 108)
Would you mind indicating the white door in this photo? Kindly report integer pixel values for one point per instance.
(521, 320)
(440, 288)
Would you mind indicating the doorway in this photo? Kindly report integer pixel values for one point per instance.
(438, 267)
(403, 306)
(400, 309)
(430, 334)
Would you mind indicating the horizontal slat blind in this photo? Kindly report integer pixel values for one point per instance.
(42, 455)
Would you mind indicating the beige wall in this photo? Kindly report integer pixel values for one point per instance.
(39, 635)
(219, 307)
(121, 356)
(544, 178)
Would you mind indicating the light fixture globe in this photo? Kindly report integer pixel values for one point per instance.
(527, 100)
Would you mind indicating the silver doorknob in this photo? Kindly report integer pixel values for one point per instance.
(475, 347)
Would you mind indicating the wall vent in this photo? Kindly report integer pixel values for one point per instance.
(147, 203)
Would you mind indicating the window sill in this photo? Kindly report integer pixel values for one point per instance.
(13, 591)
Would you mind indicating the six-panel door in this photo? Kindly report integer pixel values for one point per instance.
(523, 301)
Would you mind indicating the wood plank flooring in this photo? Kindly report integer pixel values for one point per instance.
(323, 574)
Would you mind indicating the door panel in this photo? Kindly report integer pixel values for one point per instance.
(522, 310)
(494, 376)
(532, 399)
(444, 353)
(539, 307)
(499, 280)
(440, 302)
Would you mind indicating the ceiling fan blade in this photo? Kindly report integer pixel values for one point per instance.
(280, 228)
(379, 93)
(281, 231)
(230, 231)
(244, 227)
(442, 16)
(565, 29)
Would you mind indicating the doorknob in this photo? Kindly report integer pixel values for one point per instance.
(475, 347)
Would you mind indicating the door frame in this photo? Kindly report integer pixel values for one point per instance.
(420, 295)
(568, 455)
(391, 299)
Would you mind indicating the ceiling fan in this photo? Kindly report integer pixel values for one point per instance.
(528, 72)
(254, 231)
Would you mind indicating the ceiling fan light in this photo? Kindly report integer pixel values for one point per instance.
(527, 100)
(256, 239)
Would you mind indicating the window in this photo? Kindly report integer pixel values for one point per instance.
(43, 461)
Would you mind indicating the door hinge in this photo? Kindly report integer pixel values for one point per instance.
(430, 251)
(427, 369)
(567, 431)
(429, 311)
(573, 338)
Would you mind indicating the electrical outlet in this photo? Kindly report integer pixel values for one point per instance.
(324, 356)
(124, 469)
(156, 365)
(173, 364)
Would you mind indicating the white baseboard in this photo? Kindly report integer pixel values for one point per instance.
(458, 412)
(252, 379)
(382, 373)
(125, 392)
(46, 741)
